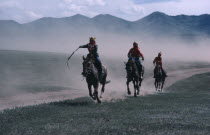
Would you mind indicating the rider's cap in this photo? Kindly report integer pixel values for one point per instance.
(135, 44)
(92, 38)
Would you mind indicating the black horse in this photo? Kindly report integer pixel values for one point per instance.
(135, 75)
(92, 77)
(159, 78)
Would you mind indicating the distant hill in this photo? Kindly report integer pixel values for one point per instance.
(153, 24)
(60, 33)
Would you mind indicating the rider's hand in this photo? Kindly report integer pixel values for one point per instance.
(80, 46)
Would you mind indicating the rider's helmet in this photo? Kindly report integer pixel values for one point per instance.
(159, 54)
(135, 45)
(92, 40)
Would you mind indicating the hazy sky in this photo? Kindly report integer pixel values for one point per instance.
(28, 10)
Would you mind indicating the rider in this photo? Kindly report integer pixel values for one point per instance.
(93, 50)
(158, 60)
(135, 54)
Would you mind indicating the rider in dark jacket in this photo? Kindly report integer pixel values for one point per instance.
(93, 50)
(156, 61)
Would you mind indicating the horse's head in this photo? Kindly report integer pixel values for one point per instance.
(131, 67)
(87, 65)
(159, 70)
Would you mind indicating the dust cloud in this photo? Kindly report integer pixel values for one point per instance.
(41, 67)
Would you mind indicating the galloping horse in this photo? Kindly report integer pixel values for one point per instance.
(92, 77)
(159, 78)
(134, 75)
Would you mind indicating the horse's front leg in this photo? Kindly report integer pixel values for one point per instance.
(128, 89)
(156, 84)
(134, 85)
(96, 92)
(90, 90)
(159, 85)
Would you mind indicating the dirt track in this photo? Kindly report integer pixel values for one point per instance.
(147, 88)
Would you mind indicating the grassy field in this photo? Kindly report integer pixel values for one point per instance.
(183, 109)
(31, 72)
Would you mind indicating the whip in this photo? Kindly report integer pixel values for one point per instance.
(70, 57)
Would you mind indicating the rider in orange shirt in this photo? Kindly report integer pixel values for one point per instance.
(135, 53)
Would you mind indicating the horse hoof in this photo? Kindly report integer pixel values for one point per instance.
(129, 93)
(99, 101)
(94, 98)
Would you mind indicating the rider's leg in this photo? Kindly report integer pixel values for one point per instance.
(155, 70)
(99, 66)
(138, 64)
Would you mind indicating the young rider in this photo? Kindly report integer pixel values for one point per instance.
(156, 61)
(93, 50)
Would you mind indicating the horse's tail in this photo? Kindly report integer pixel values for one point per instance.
(105, 74)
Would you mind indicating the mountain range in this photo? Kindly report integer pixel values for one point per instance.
(154, 24)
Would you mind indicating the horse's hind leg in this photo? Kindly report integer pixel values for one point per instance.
(162, 84)
(102, 89)
(128, 89)
(139, 86)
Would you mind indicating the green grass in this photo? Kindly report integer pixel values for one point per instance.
(184, 109)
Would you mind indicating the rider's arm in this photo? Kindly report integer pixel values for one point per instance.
(154, 61)
(96, 49)
(161, 63)
(129, 53)
(83, 46)
(140, 54)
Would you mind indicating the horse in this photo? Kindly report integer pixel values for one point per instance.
(159, 78)
(134, 75)
(91, 74)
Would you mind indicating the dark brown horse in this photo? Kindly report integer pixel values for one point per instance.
(134, 75)
(159, 78)
(92, 77)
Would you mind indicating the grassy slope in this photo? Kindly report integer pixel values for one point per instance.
(184, 110)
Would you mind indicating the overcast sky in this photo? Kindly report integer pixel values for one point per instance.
(28, 10)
